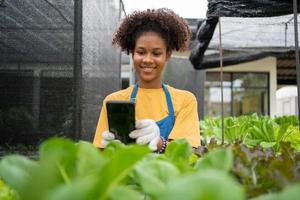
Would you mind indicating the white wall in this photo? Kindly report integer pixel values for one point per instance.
(267, 64)
(287, 102)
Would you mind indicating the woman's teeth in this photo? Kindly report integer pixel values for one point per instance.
(147, 69)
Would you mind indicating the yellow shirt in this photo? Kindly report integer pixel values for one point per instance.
(152, 104)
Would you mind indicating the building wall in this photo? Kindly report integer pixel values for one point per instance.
(180, 73)
(267, 64)
(286, 99)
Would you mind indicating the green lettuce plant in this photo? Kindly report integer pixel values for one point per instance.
(6, 193)
(253, 130)
(79, 171)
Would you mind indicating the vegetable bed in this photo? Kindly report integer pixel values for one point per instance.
(234, 170)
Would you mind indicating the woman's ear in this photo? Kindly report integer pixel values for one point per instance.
(169, 53)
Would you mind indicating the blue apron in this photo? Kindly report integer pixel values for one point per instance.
(166, 124)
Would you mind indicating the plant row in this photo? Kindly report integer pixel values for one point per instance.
(253, 130)
(68, 170)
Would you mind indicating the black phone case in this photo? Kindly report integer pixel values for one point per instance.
(121, 119)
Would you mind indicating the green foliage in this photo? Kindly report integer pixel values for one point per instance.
(220, 158)
(67, 170)
(293, 137)
(15, 171)
(260, 170)
(7, 193)
(125, 193)
(253, 130)
(179, 153)
(291, 193)
(292, 120)
(264, 171)
(79, 171)
(236, 128)
(152, 175)
(206, 184)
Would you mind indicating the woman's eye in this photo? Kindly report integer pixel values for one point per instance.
(157, 53)
(140, 52)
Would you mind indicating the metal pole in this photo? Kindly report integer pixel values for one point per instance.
(297, 54)
(285, 34)
(77, 72)
(221, 78)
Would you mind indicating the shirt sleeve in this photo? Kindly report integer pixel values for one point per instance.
(187, 122)
(101, 126)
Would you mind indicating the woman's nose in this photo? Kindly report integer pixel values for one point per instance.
(147, 58)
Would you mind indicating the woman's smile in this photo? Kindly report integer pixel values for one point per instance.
(148, 69)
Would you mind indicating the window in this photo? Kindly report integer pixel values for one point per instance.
(243, 93)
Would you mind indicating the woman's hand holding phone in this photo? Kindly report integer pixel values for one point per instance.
(146, 132)
(107, 137)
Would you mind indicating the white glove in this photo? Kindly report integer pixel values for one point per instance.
(146, 132)
(107, 137)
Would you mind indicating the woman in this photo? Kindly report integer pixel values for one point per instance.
(162, 112)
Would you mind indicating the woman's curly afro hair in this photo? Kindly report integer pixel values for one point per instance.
(172, 28)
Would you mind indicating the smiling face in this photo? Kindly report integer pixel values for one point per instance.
(149, 57)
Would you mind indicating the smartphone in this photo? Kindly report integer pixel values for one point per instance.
(121, 119)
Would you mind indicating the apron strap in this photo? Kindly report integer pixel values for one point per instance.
(134, 92)
(167, 93)
(166, 124)
(169, 101)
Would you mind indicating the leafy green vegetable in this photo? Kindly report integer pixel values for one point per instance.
(265, 171)
(125, 193)
(221, 159)
(293, 137)
(89, 159)
(153, 175)
(117, 168)
(80, 171)
(179, 153)
(206, 184)
(253, 130)
(290, 192)
(292, 120)
(16, 171)
(7, 193)
(78, 189)
(65, 166)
